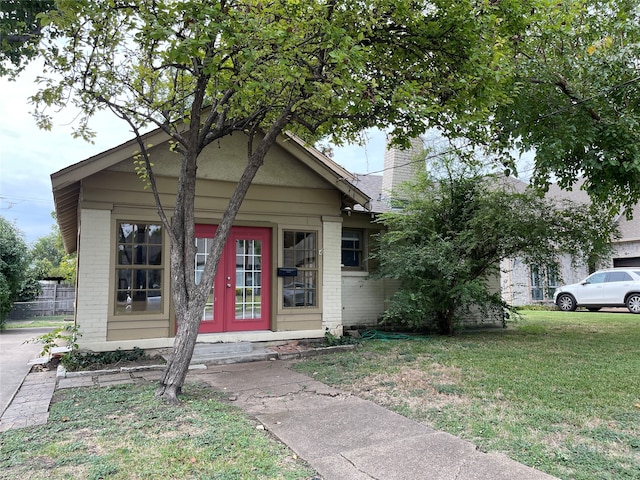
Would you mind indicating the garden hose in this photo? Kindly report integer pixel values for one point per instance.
(386, 336)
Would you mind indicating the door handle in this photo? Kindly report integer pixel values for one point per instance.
(228, 285)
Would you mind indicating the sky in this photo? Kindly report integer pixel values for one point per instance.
(28, 155)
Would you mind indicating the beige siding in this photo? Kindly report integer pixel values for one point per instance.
(300, 205)
(225, 160)
(126, 191)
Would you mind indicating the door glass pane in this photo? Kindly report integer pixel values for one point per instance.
(202, 249)
(248, 303)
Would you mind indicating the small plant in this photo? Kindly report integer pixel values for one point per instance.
(331, 340)
(67, 335)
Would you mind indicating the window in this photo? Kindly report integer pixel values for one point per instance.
(553, 279)
(352, 249)
(300, 250)
(202, 251)
(544, 281)
(139, 268)
(537, 282)
(597, 278)
(619, 277)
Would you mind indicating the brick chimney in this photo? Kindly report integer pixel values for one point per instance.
(400, 166)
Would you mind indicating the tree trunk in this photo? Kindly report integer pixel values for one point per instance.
(189, 299)
(178, 365)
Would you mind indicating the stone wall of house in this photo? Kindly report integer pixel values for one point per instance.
(515, 280)
(627, 250)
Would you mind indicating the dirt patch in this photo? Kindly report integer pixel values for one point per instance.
(418, 389)
(51, 365)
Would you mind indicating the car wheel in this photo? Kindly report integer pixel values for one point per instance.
(566, 303)
(633, 303)
(593, 309)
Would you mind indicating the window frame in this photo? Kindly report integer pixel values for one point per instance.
(317, 269)
(117, 312)
(541, 285)
(362, 250)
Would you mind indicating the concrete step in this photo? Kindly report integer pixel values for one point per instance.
(226, 353)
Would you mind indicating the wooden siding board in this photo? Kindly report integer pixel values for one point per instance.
(136, 334)
(122, 190)
(285, 324)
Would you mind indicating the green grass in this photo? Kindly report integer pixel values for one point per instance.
(35, 322)
(557, 391)
(123, 432)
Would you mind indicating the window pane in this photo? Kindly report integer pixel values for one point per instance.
(125, 233)
(140, 233)
(125, 255)
(597, 278)
(350, 258)
(155, 255)
(350, 239)
(155, 234)
(300, 251)
(352, 248)
(619, 277)
(289, 239)
(139, 289)
(140, 255)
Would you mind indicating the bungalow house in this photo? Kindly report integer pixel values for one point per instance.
(524, 284)
(294, 267)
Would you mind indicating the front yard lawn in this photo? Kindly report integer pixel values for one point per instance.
(559, 391)
(33, 322)
(123, 432)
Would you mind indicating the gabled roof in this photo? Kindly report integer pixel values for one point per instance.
(66, 182)
(372, 186)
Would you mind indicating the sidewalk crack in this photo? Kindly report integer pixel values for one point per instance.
(359, 469)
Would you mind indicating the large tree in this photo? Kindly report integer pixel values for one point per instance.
(455, 227)
(204, 70)
(13, 263)
(576, 97)
(20, 30)
(49, 259)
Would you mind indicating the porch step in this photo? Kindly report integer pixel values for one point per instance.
(225, 353)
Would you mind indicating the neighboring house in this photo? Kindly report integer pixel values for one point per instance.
(303, 211)
(524, 284)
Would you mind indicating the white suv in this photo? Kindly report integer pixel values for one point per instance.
(614, 287)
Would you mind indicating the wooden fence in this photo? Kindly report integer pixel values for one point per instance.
(54, 300)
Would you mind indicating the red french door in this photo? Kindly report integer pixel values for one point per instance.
(240, 295)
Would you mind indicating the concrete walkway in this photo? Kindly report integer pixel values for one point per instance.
(14, 355)
(345, 437)
(338, 434)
